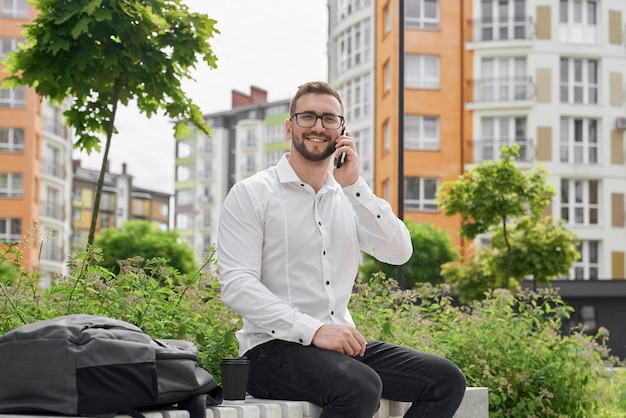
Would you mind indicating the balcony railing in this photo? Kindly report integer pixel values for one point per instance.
(489, 149)
(53, 168)
(53, 210)
(509, 29)
(51, 252)
(507, 89)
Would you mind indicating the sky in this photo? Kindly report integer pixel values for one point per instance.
(275, 45)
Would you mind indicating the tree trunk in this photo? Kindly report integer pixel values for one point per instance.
(105, 158)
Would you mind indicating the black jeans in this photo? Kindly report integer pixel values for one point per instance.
(351, 387)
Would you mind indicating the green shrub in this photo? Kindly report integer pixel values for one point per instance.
(510, 343)
(147, 293)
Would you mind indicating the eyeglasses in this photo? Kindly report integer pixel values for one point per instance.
(309, 119)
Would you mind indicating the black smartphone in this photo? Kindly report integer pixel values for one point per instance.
(342, 158)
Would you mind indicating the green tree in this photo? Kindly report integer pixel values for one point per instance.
(493, 193)
(542, 249)
(431, 249)
(140, 239)
(103, 53)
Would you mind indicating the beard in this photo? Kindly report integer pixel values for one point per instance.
(319, 154)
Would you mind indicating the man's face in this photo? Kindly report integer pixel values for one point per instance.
(316, 143)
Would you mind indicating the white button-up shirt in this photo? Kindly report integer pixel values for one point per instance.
(288, 257)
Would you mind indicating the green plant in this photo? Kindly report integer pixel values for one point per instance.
(511, 343)
(146, 292)
(431, 249)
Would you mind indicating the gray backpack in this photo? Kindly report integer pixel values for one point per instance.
(93, 365)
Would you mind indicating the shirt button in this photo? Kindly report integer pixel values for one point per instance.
(327, 282)
(324, 252)
(301, 340)
(332, 312)
(302, 184)
(358, 195)
(319, 223)
(273, 332)
(378, 216)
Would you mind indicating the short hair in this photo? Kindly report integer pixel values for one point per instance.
(316, 87)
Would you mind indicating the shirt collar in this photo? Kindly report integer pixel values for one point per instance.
(286, 174)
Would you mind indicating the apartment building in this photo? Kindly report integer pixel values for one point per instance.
(35, 162)
(245, 139)
(351, 68)
(120, 202)
(478, 75)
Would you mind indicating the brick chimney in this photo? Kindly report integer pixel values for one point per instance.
(123, 168)
(257, 95)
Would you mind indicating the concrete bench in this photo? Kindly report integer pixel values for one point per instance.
(475, 405)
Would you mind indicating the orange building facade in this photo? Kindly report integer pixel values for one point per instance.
(435, 123)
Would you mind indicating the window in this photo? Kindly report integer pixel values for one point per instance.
(139, 205)
(54, 120)
(579, 141)
(386, 137)
(386, 77)
(578, 21)
(13, 98)
(499, 132)
(9, 44)
(164, 209)
(10, 229)
(357, 95)
(420, 193)
(354, 46)
(421, 132)
(250, 166)
(12, 140)
(422, 71)
(579, 202)
(586, 267)
(503, 20)
(107, 201)
(250, 139)
(387, 19)
(183, 221)
(579, 81)
(183, 150)
(183, 173)
(105, 220)
(77, 215)
(503, 79)
(346, 7)
(11, 185)
(421, 14)
(184, 197)
(208, 145)
(14, 9)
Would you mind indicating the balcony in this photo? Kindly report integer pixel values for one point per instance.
(489, 149)
(495, 30)
(506, 89)
(51, 253)
(53, 168)
(53, 210)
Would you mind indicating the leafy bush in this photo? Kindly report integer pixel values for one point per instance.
(147, 293)
(510, 343)
(431, 248)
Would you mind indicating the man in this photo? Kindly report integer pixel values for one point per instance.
(289, 245)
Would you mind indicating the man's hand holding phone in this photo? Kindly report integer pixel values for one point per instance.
(347, 161)
(342, 156)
